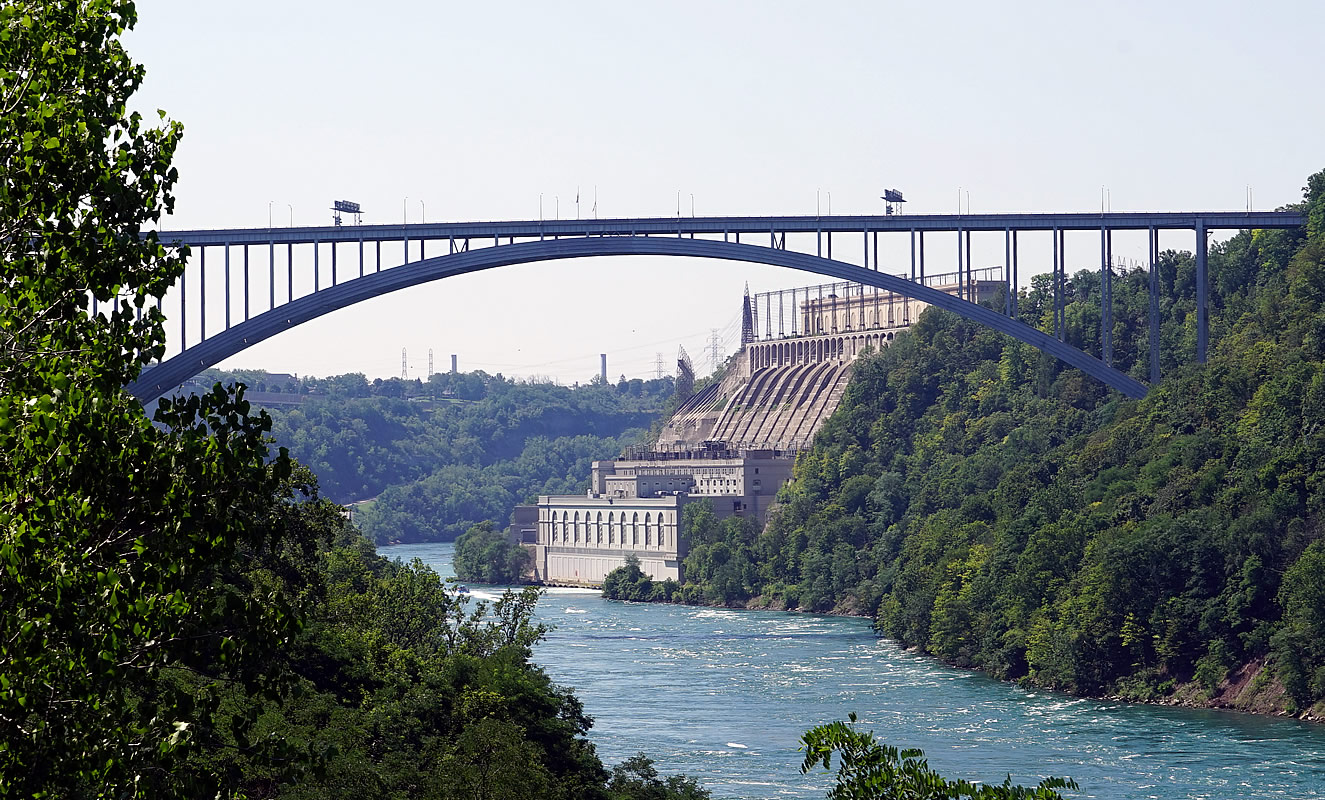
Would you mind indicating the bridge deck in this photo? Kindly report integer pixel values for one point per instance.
(684, 226)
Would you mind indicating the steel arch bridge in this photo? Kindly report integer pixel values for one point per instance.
(528, 242)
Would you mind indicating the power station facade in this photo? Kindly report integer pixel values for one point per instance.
(733, 443)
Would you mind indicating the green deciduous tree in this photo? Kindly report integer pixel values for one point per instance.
(119, 541)
(869, 770)
(484, 554)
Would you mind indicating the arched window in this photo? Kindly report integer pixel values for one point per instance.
(578, 530)
(599, 527)
(611, 528)
(634, 530)
(647, 536)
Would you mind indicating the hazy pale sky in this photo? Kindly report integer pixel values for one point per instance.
(470, 111)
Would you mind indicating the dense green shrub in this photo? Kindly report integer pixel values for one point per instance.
(485, 554)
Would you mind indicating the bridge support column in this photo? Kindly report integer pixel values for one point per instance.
(1061, 285)
(1058, 329)
(970, 290)
(227, 286)
(316, 250)
(922, 256)
(1015, 297)
(913, 254)
(202, 294)
(1202, 290)
(246, 291)
(959, 265)
(183, 308)
(1106, 298)
(1154, 306)
(271, 273)
(1007, 271)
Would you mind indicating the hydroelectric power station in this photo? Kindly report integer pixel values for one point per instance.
(732, 443)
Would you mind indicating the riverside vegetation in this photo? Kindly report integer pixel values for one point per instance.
(991, 507)
(440, 456)
(180, 614)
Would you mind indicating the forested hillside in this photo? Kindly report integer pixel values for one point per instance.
(998, 510)
(443, 455)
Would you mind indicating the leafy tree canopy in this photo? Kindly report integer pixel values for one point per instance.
(119, 541)
(869, 770)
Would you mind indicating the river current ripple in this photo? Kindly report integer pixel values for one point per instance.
(723, 696)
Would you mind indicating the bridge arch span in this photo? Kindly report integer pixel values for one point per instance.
(211, 351)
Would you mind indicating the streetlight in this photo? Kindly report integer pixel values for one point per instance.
(404, 211)
(269, 202)
(423, 212)
(291, 207)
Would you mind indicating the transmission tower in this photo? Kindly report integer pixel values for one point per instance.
(658, 366)
(429, 363)
(715, 349)
(404, 366)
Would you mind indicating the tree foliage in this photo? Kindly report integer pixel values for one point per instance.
(868, 770)
(442, 455)
(994, 508)
(485, 555)
(119, 541)
(177, 617)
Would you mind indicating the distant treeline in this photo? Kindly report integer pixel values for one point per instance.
(992, 507)
(443, 455)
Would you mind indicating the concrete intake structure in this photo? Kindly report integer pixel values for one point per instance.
(733, 443)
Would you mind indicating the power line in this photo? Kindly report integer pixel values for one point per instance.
(727, 334)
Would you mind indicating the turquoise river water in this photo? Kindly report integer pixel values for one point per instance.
(723, 696)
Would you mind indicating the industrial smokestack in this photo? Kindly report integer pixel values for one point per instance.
(453, 363)
(603, 356)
